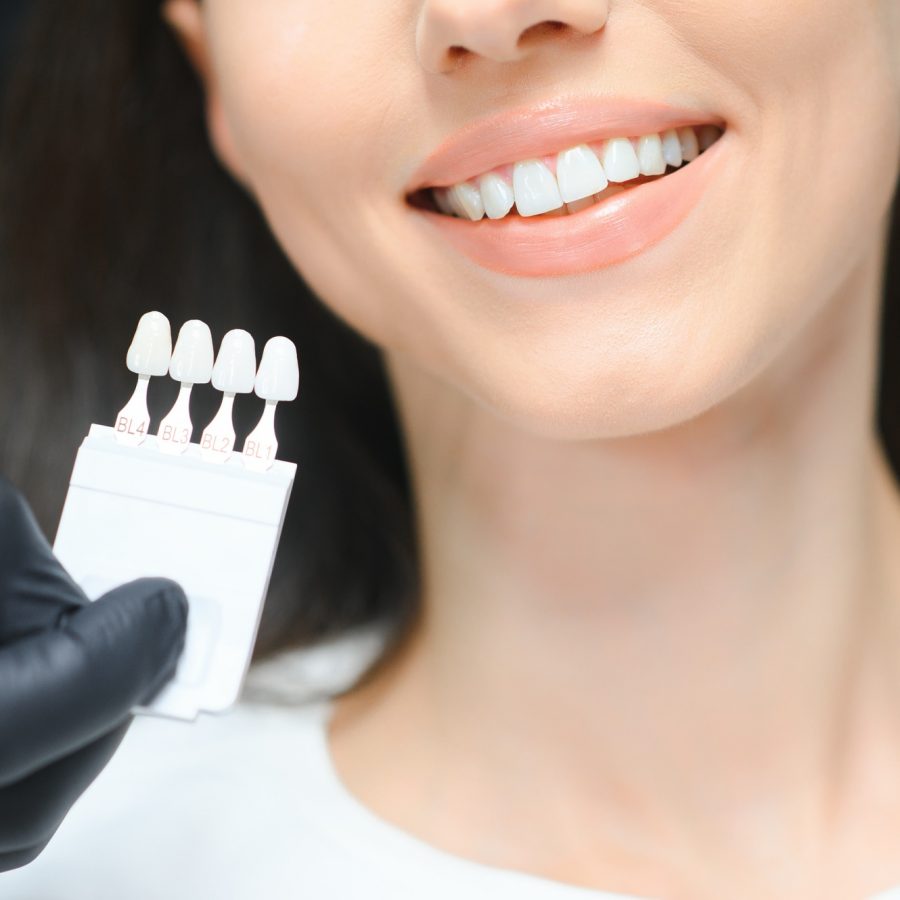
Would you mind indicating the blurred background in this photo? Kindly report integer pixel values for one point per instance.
(10, 10)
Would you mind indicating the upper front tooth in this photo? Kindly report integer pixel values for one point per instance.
(671, 146)
(468, 200)
(579, 173)
(620, 162)
(650, 155)
(535, 188)
(496, 194)
(689, 146)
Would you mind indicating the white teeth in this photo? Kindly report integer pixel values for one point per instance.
(151, 347)
(579, 173)
(455, 206)
(671, 148)
(192, 360)
(278, 377)
(442, 201)
(707, 136)
(689, 146)
(235, 369)
(650, 155)
(497, 195)
(620, 162)
(467, 198)
(578, 205)
(535, 188)
(582, 172)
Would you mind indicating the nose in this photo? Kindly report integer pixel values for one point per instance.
(501, 30)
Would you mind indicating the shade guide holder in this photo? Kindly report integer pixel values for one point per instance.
(209, 517)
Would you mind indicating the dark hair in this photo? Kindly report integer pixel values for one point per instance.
(111, 203)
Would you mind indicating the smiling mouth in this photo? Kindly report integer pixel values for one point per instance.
(571, 181)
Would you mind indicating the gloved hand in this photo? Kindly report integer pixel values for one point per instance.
(70, 671)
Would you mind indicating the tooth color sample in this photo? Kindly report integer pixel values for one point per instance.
(278, 377)
(192, 359)
(235, 368)
(151, 347)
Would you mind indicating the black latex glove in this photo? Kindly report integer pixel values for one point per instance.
(70, 671)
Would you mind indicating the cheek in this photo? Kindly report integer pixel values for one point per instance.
(810, 91)
(824, 141)
(311, 108)
(816, 104)
(328, 120)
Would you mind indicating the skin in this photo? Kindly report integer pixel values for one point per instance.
(662, 594)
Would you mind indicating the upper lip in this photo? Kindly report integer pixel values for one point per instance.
(546, 128)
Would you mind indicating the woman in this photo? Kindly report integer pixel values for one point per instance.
(647, 642)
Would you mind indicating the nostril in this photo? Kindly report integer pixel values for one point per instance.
(540, 31)
(453, 58)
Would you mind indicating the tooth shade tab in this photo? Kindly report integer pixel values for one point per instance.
(496, 194)
(535, 188)
(174, 432)
(151, 346)
(192, 360)
(234, 371)
(579, 173)
(620, 162)
(278, 377)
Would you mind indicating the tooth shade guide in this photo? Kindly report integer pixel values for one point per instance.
(261, 446)
(148, 354)
(133, 421)
(175, 430)
(217, 441)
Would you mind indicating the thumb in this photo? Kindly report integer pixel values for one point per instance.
(63, 688)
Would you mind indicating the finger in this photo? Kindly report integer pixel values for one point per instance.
(61, 689)
(34, 588)
(18, 858)
(33, 808)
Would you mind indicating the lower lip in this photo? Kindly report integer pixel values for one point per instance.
(601, 235)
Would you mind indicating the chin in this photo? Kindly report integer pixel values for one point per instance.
(603, 403)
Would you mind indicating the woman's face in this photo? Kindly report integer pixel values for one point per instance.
(636, 313)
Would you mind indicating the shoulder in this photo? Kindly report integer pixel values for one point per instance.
(176, 807)
(225, 806)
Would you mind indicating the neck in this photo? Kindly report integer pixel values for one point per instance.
(609, 613)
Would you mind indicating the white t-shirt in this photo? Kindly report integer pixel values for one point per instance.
(248, 805)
